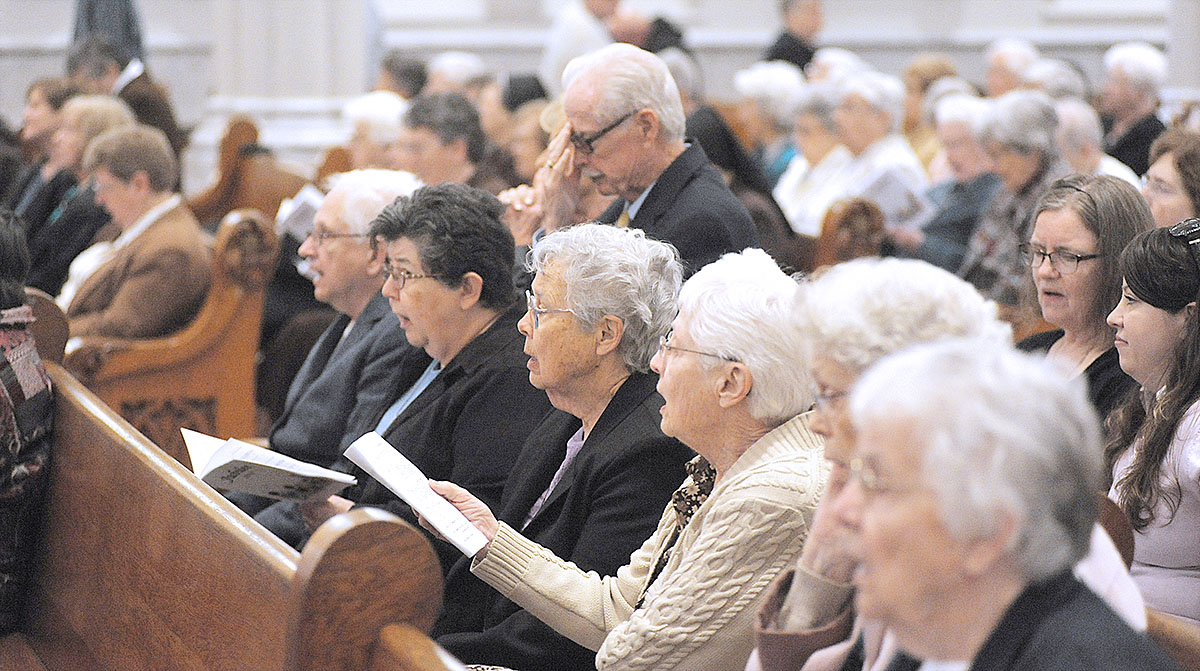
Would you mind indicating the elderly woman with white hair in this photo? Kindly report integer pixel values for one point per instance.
(736, 392)
(769, 92)
(971, 517)
(961, 200)
(811, 182)
(1019, 135)
(593, 477)
(374, 121)
(1081, 141)
(1135, 73)
(883, 166)
(851, 316)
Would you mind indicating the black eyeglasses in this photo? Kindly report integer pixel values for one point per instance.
(665, 343)
(1064, 262)
(401, 277)
(585, 143)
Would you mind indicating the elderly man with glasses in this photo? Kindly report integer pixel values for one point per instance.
(624, 129)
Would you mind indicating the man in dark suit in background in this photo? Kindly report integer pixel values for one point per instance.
(625, 130)
(99, 66)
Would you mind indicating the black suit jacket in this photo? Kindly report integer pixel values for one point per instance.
(1133, 148)
(606, 505)
(468, 425)
(151, 107)
(691, 207)
(1060, 625)
(338, 390)
(70, 228)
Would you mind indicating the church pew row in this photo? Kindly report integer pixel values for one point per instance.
(141, 566)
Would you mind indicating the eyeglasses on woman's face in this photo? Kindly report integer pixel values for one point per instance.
(1063, 261)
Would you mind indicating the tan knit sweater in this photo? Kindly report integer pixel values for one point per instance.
(699, 613)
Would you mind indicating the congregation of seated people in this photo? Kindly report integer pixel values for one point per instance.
(573, 299)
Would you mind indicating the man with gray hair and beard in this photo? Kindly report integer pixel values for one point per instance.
(625, 130)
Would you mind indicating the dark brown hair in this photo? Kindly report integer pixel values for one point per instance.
(1161, 271)
(1184, 148)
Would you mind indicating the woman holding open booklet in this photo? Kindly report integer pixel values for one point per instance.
(735, 392)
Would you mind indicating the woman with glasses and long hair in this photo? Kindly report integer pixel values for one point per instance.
(1081, 224)
(1154, 436)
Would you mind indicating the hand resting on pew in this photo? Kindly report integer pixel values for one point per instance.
(317, 511)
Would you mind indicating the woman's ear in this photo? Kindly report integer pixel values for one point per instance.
(609, 332)
(470, 290)
(734, 385)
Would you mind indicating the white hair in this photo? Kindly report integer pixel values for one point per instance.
(1024, 121)
(367, 192)
(1144, 65)
(837, 63)
(860, 311)
(380, 111)
(820, 100)
(615, 271)
(1057, 78)
(969, 110)
(685, 70)
(740, 306)
(633, 79)
(775, 87)
(944, 87)
(459, 67)
(1013, 53)
(1006, 437)
(1078, 125)
(884, 92)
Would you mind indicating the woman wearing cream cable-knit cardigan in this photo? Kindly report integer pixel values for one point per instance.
(735, 388)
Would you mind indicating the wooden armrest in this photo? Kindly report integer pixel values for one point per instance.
(402, 647)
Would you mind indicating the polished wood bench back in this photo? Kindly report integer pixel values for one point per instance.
(144, 567)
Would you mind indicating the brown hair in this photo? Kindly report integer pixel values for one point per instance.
(56, 90)
(1184, 147)
(1114, 212)
(1160, 270)
(127, 151)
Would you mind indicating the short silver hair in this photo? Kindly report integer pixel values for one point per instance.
(774, 87)
(819, 100)
(741, 306)
(860, 311)
(633, 79)
(459, 67)
(608, 270)
(1057, 78)
(1078, 124)
(1143, 64)
(380, 111)
(1024, 121)
(941, 88)
(838, 63)
(1014, 53)
(884, 92)
(969, 110)
(367, 192)
(1005, 436)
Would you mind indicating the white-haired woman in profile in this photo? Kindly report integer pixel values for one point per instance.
(851, 316)
(971, 517)
(736, 392)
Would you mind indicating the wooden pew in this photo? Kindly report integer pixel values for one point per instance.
(142, 566)
(202, 377)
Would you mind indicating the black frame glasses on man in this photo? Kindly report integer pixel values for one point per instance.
(584, 143)
(1062, 261)
(665, 343)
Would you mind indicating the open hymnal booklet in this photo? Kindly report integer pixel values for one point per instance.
(237, 466)
(383, 462)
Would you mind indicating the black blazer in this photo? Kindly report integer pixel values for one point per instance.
(1133, 148)
(691, 207)
(333, 388)
(606, 505)
(467, 426)
(70, 228)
